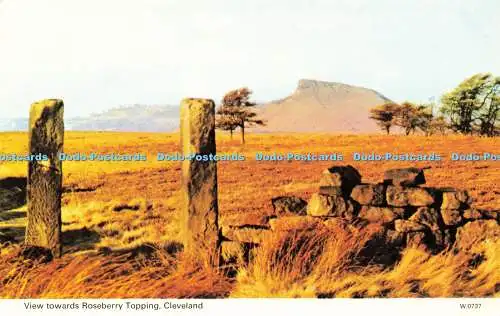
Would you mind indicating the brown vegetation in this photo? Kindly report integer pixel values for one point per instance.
(121, 223)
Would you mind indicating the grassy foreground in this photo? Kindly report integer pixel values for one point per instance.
(120, 223)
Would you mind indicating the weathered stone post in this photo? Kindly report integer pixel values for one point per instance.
(46, 137)
(199, 182)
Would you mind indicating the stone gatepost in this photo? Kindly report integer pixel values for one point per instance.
(46, 138)
(199, 182)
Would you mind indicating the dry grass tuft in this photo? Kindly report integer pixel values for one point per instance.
(134, 273)
(322, 263)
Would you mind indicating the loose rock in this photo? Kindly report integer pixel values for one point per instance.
(289, 205)
(326, 205)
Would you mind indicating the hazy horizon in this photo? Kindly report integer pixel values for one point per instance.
(98, 55)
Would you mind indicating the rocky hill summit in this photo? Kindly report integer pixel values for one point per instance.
(321, 106)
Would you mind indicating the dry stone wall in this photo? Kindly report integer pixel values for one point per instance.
(412, 215)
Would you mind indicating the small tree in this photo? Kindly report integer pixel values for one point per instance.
(437, 125)
(488, 117)
(409, 117)
(385, 115)
(225, 120)
(424, 118)
(474, 105)
(236, 111)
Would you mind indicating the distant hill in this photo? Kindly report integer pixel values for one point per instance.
(13, 124)
(320, 106)
(145, 118)
(315, 106)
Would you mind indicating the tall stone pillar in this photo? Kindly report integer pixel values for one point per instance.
(46, 138)
(199, 182)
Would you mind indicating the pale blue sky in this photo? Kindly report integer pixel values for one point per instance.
(97, 54)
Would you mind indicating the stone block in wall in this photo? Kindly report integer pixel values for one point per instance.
(451, 217)
(475, 214)
(337, 222)
(427, 216)
(382, 215)
(472, 214)
(438, 237)
(455, 199)
(406, 226)
(346, 177)
(407, 177)
(369, 194)
(416, 239)
(400, 196)
(331, 190)
(330, 205)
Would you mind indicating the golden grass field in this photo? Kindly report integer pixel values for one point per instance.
(120, 223)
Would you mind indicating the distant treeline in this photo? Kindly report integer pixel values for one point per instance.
(472, 108)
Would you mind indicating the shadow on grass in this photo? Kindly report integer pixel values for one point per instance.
(13, 235)
(12, 215)
(79, 240)
(12, 193)
(72, 240)
(146, 250)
